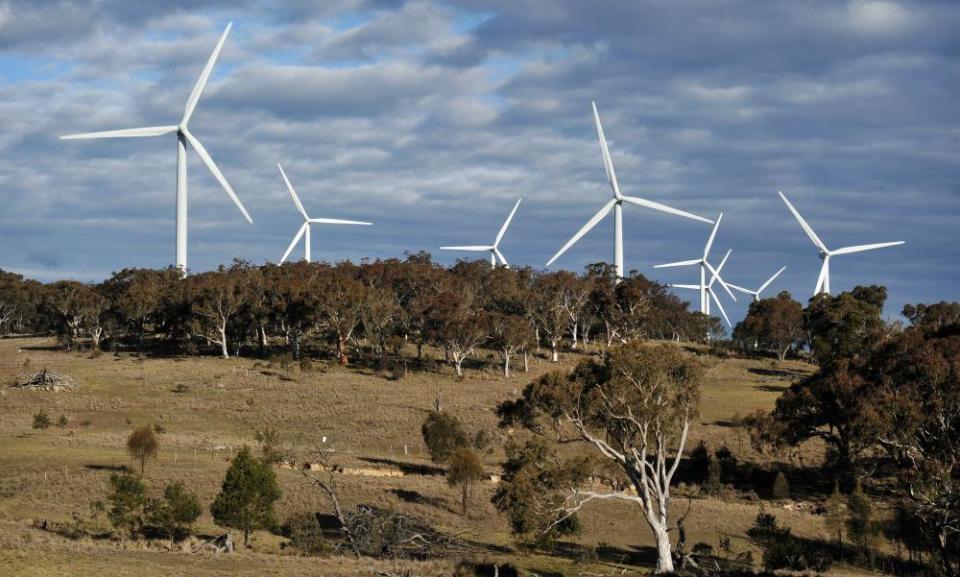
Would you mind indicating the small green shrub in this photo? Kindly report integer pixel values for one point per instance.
(442, 434)
(62, 421)
(305, 534)
(41, 420)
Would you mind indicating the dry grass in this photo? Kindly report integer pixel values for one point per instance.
(370, 421)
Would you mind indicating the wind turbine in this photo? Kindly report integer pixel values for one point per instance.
(494, 251)
(706, 290)
(703, 264)
(823, 281)
(307, 221)
(183, 137)
(615, 204)
(756, 293)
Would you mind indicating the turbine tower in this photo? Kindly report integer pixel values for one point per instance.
(823, 281)
(703, 264)
(615, 204)
(706, 290)
(183, 137)
(494, 251)
(756, 293)
(307, 221)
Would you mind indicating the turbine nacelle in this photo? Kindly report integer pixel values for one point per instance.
(823, 280)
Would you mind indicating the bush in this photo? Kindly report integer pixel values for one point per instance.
(142, 444)
(465, 469)
(442, 434)
(305, 533)
(247, 495)
(782, 550)
(271, 445)
(62, 421)
(176, 512)
(127, 501)
(41, 420)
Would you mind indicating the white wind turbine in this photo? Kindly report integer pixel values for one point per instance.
(823, 281)
(183, 137)
(493, 248)
(704, 265)
(307, 221)
(707, 289)
(615, 204)
(756, 293)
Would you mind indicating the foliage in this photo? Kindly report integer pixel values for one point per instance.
(247, 495)
(176, 512)
(306, 534)
(463, 471)
(783, 550)
(443, 434)
(41, 420)
(142, 445)
(774, 324)
(533, 487)
(781, 488)
(127, 501)
(630, 408)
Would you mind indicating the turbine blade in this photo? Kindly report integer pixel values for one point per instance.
(337, 221)
(864, 247)
(720, 306)
(503, 259)
(806, 227)
(713, 234)
(293, 193)
(770, 280)
(204, 76)
(823, 274)
(123, 133)
(741, 289)
(473, 248)
(716, 275)
(695, 287)
(585, 229)
(679, 263)
(506, 223)
(664, 208)
(205, 157)
(605, 151)
(296, 239)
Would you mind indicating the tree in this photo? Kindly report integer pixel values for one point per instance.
(509, 334)
(142, 444)
(457, 324)
(464, 470)
(216, 297)
(443, 434)
(127, 501)
(631, 409)
(548, 309)
(247, 495)
(340, 301)
(835, 515)
(845, 326)
(861, 525)
(774, 324)
(534, 485)
(176, 512)
(379, 312)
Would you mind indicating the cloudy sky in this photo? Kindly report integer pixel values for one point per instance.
(430, 118)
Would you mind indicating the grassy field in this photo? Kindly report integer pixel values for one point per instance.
(208, 408)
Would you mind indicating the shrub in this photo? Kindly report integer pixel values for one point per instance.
(782, 550)
(62, 421)
(305, 533)
(271, 445)
(464, 470)
(175, 513)
(306, 365)
(181, 388)
(41, 420)
(247, 495)
(442, 434)
(127, 501)
(142, 444)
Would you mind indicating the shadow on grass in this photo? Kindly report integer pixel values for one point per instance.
(112, 468)
(417, 498)
(424, 469)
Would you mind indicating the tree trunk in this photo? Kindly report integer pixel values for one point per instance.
(573, 332)
(341, 347)
(262, 339)
(224, 352)
(457, 361)
(554, 355)
(506, 365)
(526, 362)
(246, 537)
(664, 557)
